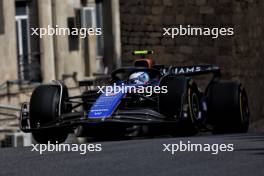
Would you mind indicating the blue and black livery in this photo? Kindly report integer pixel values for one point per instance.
(185, 109)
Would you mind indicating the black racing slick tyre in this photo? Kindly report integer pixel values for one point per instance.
(181, 102)
(228, 108)
(44, 108)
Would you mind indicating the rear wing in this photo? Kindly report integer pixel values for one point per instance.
(193, 71)
(174, 70)
(190, 70)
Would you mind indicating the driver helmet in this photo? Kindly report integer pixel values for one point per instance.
(139, 78)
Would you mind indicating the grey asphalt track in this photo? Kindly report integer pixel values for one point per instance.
(142, 157)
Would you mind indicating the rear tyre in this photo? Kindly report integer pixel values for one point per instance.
(228, 108)
(181, 102)
(44, 108)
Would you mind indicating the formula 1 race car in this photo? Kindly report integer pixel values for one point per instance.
(144, 99)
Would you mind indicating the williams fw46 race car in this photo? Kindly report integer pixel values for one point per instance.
(151, 100)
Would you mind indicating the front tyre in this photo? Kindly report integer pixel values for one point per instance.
(181, 102)
(44, 108)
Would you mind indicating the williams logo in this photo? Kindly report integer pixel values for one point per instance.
(181, 70)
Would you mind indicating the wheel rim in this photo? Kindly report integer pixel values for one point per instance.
(244, 109)
(195, 106)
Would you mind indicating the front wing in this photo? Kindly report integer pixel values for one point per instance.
(69, 120)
